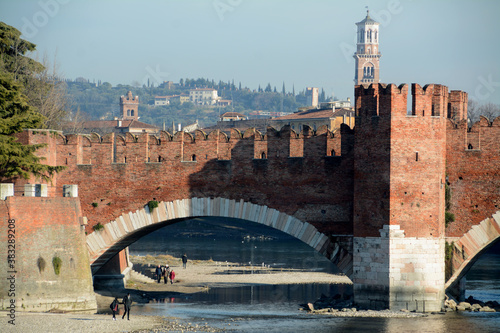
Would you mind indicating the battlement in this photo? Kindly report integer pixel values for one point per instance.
(93, 149)
(431, 100)
(129, 99)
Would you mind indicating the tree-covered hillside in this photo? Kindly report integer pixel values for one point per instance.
(100, 101)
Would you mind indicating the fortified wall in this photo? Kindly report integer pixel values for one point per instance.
(307, 175)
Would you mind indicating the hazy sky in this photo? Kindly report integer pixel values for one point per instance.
(305, 43)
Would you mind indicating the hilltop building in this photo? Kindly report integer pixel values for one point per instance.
(312, 95)
(367, 54)
(127, 123)
(203, 96)
(165, 100)
(162, 100)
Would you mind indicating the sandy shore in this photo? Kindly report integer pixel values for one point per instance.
(201, 275)
(212, 274)
(198, 276)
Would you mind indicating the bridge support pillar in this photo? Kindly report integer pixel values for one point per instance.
(115, 273)
(397, 272)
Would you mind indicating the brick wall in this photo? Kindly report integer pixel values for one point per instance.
(46, 228)
(296, 175)
(473, 170)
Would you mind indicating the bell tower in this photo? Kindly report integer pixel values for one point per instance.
(367, 52)
(129, 107)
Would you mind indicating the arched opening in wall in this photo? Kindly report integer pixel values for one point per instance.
(226, 249)
(128, 112)
(483, 277)
(263, 155)
(333, 153)
(159, 158)
(125, 159)
(193, 158)
(132, 113)
(368, 71)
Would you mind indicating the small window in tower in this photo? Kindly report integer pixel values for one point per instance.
(193, 158)
(263, 155)
(132, 113)
(333, 152)
(416, 156)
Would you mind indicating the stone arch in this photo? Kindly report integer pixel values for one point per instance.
(129, 227)
(468, 249)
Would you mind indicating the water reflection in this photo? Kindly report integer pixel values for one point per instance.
(276, 308)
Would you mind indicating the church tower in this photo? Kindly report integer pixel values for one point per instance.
(367, 53)
(129, 107)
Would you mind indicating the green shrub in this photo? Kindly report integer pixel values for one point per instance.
(152, 205)
(98, 226)
(448, 217)
(57, 263)
(95, 204)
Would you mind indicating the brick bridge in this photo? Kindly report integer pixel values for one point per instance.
(372, 199)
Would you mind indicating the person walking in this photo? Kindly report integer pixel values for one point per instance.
(172, 276)
(127, 303)
(158, 273)
(184, 260)
(166, 272)
(114, 307)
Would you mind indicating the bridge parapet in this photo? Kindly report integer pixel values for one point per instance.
(115, 148)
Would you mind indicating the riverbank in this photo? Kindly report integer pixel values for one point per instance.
(84, 322)
(202, 275)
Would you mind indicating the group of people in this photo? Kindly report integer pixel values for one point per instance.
(166, 273)
(127, 303)
(161, 271)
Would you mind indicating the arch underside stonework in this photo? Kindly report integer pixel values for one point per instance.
(129, 227)
(471, 245)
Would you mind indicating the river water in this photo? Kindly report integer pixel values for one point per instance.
(276, 308)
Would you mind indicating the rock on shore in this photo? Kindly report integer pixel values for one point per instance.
(471, 304)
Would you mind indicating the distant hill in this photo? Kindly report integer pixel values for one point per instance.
(100, 101)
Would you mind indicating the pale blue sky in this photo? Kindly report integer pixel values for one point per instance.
(305, 43)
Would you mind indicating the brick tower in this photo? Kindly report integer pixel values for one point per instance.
(367, 53)
(129, 106)
(400, 158)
